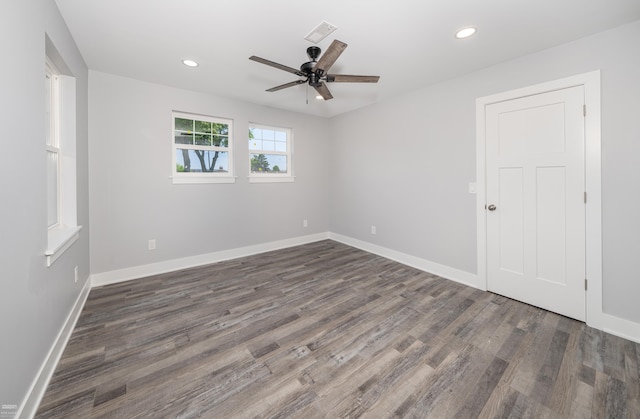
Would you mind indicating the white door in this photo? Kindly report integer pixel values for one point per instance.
(535, 200)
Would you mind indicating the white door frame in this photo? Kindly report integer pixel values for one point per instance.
(593, 269)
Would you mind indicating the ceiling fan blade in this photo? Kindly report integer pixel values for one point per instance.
(346, 78)
(276, 65)
(330, 56)
(284, 86)
(324, 91)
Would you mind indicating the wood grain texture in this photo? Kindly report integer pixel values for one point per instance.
(326, 330)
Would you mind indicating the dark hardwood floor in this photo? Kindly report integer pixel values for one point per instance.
(326, 330)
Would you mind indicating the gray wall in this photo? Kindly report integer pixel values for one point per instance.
(133, 198)
(402, 165)
(405, 164)
(35, 299)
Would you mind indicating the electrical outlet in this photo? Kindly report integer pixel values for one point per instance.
(373, 229)
(305, 223)
(75, 273)
(152, 244)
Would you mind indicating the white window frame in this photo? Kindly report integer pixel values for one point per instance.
(202, 177)
(273, 176)
(61, 133)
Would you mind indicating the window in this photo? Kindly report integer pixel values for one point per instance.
(202, 149)
(52, 103)
(60, 143)
(270, 150)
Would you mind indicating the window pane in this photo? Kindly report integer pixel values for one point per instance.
(48, 111)
(257, 133)
(202, 139)
(269, 145)
(52, 188)
(202, 161)
(184, 124)
(222, 129)
(268, 163)
(255, 144)
(281, 146)
(220, 141)
(281, 136)
(268, 134)
(203, 126)
(184, 138)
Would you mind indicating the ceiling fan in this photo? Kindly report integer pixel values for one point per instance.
(315, 72)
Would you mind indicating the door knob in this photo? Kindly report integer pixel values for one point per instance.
(491, 207)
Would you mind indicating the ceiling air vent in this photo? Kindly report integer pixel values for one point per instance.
(320, 32)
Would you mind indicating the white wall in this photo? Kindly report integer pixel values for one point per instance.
(405, 164)
(133, 198)
(35, 300)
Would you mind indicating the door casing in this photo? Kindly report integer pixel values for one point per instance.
(593, 268)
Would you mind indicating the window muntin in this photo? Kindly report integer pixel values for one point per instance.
(270, 151)
(202, 149)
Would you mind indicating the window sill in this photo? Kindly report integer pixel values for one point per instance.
(202, 179)
(59, 240)
(271, 179)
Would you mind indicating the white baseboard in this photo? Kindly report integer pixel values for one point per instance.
(621, 327)
(30, 404)
(135, 272)
(447, 272)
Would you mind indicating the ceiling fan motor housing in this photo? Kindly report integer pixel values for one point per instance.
(308, 68)
(314, 80)
(313, 52)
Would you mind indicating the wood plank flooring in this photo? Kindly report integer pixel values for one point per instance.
(326, 330)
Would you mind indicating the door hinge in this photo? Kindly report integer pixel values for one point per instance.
(585, 284)
(585, 197)
(584, 110)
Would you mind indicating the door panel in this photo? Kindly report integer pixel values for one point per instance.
(511, 222)
(535, 177)
(551, 215)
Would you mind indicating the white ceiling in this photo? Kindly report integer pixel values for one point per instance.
(408, 43)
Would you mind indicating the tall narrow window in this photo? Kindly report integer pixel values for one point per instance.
(270, 154)
(202, 149)
(60, 143)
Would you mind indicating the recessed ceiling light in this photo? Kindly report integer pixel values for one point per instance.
(190, 63)
(319, 97)
(465, 32)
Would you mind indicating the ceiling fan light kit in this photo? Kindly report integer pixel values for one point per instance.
(315, 72)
